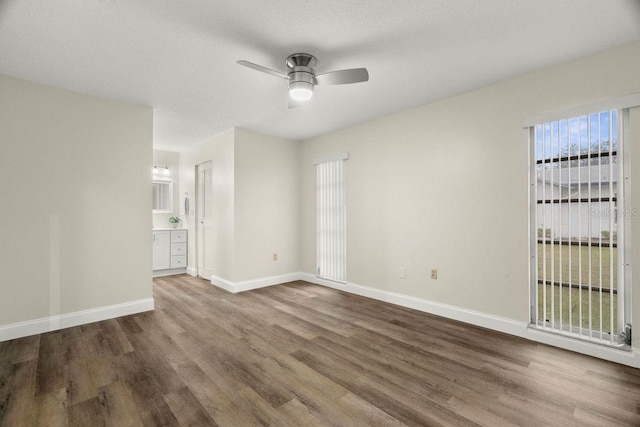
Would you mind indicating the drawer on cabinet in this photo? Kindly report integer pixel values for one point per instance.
(178, 249)
(178, 236)
(178, 261)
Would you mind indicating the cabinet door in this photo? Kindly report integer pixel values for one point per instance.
(161, 250)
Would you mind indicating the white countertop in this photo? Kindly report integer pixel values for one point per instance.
(168, 228)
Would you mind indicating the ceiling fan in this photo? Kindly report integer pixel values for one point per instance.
(302, 76)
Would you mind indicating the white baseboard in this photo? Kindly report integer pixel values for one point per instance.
(61, 321)
(247, 285)
(170, 272)
(223, 283)
(449, 311)
(496, 323)
(192, 271)
(629, 358)
(324, 282)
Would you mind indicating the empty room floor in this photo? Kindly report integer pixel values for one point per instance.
(300, 354)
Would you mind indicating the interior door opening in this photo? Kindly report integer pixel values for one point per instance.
(204, 219)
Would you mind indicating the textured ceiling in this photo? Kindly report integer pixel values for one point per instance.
(179, 56)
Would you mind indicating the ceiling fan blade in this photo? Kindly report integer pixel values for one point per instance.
(341, 77)
(262, 69)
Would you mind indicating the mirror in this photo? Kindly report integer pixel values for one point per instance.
(162, 197)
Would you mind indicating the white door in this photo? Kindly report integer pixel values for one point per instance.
(204, 219)
(161, 250)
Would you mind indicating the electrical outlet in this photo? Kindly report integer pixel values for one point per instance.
(275, 256)
(434, 273)
(402, 272)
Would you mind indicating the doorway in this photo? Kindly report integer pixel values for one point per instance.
(204, 219)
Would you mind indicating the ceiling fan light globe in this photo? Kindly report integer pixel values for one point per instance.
(301, 91)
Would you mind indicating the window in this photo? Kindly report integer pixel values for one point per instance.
(331, 218)
(577, 220)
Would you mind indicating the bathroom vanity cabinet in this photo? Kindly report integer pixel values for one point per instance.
(169, 252)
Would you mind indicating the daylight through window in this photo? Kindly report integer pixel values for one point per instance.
(577, 270)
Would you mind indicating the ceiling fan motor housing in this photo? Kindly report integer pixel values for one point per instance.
(301, 60)
(302, 78)
(301, 73)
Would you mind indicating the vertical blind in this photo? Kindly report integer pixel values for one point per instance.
(331, 218)
(577, 286)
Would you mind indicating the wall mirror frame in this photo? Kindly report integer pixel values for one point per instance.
(162, 196)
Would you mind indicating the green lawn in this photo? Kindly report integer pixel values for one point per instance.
(571, 298)
(565, 298)
(574, 256)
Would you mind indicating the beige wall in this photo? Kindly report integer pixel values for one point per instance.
(255, 198)
(169, 158)
(445, 186)
(74, 194)
(266, 206)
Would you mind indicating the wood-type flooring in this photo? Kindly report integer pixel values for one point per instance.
(300, 355)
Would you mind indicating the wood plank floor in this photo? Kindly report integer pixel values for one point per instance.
(296, 355)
